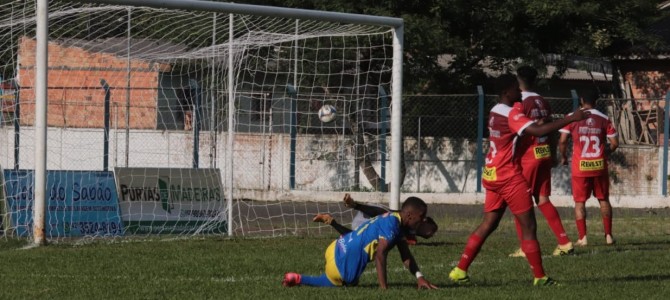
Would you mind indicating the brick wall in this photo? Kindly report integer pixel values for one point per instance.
(76, 98)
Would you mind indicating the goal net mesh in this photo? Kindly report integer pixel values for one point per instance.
(138, 120)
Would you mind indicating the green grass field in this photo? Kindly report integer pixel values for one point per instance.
(217, 268)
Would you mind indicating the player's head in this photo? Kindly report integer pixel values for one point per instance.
(427, 228)
(508, 88)
(413, 212)
(527, 76)
(589, 99)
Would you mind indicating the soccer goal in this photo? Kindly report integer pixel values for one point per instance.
(180, 117)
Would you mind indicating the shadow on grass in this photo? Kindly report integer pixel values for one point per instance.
(432, 244)
(440, 285)
(651, 277)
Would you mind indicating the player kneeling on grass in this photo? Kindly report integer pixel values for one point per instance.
(347, 257)
(426, 230)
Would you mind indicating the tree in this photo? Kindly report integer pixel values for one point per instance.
(478, 34)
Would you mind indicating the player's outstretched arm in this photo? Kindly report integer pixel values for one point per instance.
(410, 263)
(380, 262)
(544, 129)
(563, 148)
(369, 210)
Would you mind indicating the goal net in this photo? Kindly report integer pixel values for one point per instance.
(143, 138)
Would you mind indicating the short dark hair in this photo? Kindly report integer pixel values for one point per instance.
(590, 97)
(415, 203)
(505, 82)
(527, 75)
(431, 222)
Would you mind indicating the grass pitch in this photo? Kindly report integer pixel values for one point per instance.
(638, 266)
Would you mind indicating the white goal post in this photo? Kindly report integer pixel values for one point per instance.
(228, 171)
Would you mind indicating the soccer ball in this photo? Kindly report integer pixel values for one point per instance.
(327, 113)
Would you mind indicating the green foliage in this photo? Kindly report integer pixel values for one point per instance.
(499, 34)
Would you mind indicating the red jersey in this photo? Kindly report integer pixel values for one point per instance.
(506, 124)
(536, 108)
(589, 139)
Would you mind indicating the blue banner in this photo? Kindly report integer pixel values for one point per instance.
(79, 203)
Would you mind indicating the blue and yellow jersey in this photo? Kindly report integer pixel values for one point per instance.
(355, 249)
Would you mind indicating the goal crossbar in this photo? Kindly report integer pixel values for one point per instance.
(259, 10)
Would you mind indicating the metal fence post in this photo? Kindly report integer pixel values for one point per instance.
(382, 147)
(480, 137)
(293, 115)
(418, 168)
(105, 151)
(195, 121)
(17, 123)
(575, 100)
(666, 133)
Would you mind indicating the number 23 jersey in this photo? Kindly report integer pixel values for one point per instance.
(506, 124)
(589, 139)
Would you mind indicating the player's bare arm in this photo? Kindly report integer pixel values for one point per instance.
(369, 210)
(410, 263)
(614, 143)
(544, 129)
(563, 148)
(380, 262)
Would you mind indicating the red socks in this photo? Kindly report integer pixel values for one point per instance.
(554, 220)
(471, 250)
(607, 224)
(581, 228)
(532, 250)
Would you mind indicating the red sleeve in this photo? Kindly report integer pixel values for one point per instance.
(567, 128)
(527, 105)
(518, 121)
(611, 131)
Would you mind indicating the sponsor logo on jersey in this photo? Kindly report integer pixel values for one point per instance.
(490, 174)
(589, 122)
(542, 151)
(592, 165)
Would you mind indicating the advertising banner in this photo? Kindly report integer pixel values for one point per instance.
(171, 200)
(79, 203)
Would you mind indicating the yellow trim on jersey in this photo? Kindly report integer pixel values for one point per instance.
(371, 249)
(592, 165)
(542, 151)
(490, 174)
(332, 272)
(397, 215)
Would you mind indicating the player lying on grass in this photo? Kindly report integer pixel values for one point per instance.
(426, 230)
(347, 257)
(504, 182)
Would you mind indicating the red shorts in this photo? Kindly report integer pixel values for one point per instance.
(582, 187)
(538, 175)
(513, 192)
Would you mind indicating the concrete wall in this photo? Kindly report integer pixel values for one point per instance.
(323, 162)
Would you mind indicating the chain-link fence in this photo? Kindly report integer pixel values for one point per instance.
(440, 132)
